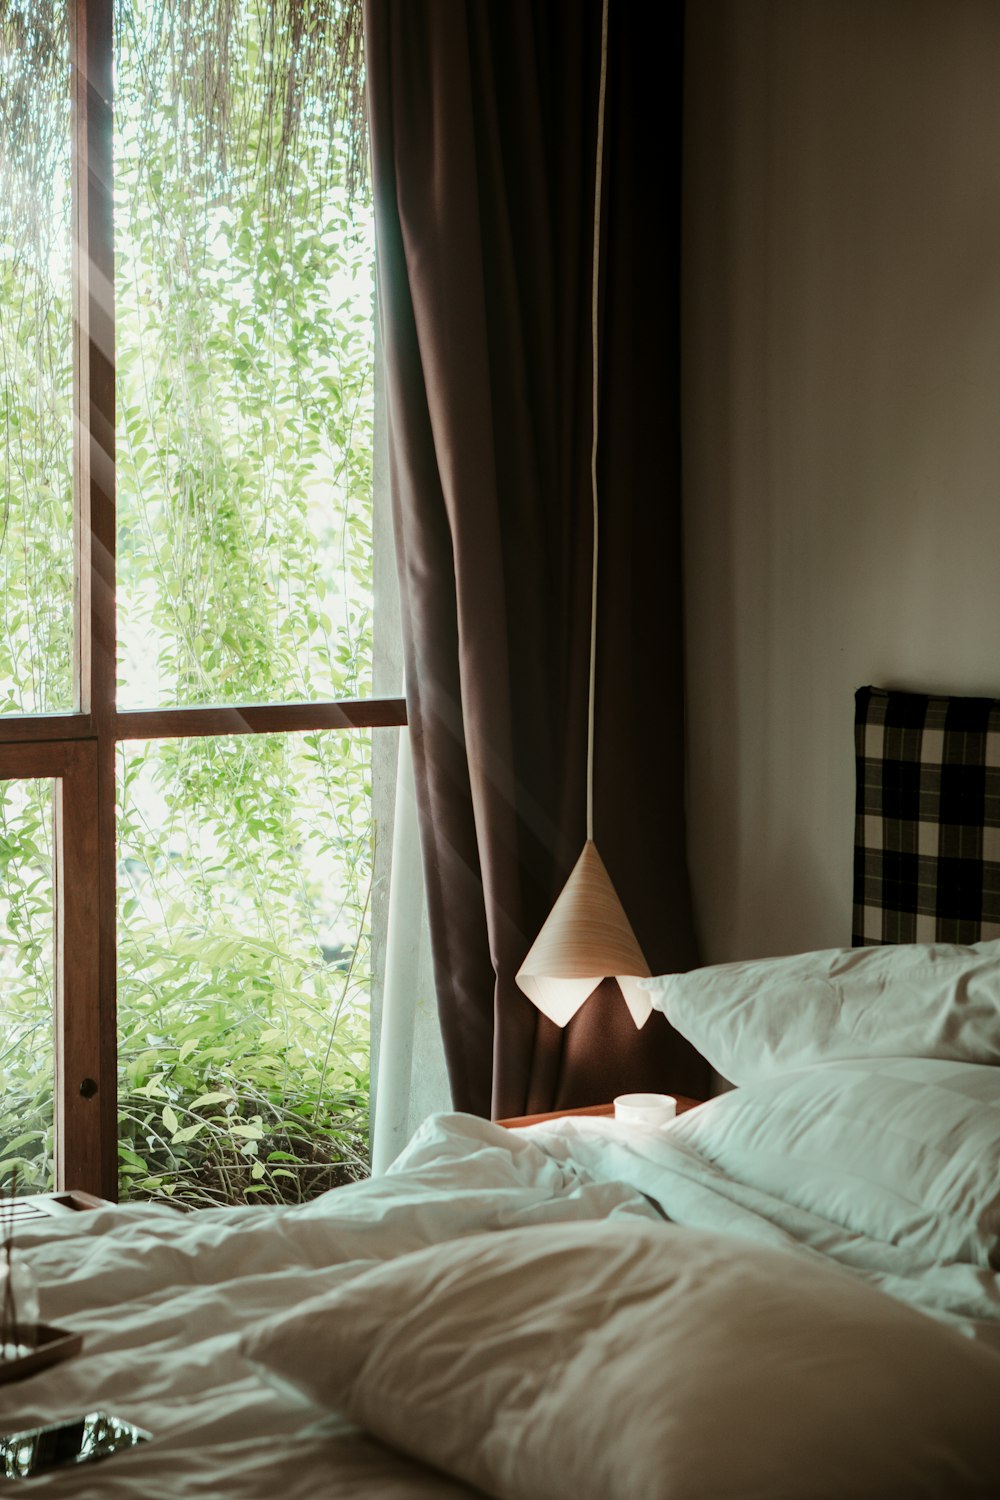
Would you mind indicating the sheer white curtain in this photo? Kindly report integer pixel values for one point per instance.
(410, 1078)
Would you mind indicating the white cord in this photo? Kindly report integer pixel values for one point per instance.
(593, 451)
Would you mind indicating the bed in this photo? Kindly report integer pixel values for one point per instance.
(792, 1290)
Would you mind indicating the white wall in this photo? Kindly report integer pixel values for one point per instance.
(841, 421)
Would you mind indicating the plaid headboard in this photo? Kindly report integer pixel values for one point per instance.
(927, 834)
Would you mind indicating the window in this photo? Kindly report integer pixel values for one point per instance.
(188, 663)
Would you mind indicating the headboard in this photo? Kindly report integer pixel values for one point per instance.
(927, 830)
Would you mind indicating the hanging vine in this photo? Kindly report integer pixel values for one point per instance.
(310, 75)
(243, 361)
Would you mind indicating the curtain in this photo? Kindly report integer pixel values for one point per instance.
(483, 120)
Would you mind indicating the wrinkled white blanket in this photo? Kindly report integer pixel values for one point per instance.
(692, 1191)
(162, 1298)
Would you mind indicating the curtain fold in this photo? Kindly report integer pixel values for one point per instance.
(483, 132)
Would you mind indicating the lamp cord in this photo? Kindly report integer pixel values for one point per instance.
(593, 450)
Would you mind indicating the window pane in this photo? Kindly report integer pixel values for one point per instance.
(36, 361)
(244, 348)
(26, 985)
(244, 878)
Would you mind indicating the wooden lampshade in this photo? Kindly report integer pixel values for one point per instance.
(586, 938)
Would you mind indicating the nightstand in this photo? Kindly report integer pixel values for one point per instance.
(516, 1122)
(49, 1205)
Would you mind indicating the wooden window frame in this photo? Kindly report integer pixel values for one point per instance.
(77, 750)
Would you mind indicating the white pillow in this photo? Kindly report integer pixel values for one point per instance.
(760, 1017)
(902, 1150)
(647, 1362)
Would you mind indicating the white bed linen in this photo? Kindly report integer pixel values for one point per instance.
(760, 1017)
(645, 1361)
(162, 1299)
(667, 1167)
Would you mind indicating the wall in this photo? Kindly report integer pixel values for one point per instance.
(841, 359)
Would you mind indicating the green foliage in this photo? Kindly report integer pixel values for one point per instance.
(26, 991)
(244, 450)
(244, 965)
(245, 354)
(36, 365)
(244, 873)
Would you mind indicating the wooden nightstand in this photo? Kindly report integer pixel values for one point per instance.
(516, 1122)
(50, 1205)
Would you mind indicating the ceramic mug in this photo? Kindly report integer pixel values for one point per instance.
(645, 1109)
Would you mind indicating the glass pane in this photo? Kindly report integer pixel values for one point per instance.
(26, 985)
(245, 873)
(245, 359)
(36, 360)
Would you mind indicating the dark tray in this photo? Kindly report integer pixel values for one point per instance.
(52, 1346)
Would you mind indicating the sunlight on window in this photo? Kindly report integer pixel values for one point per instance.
(244, 573)
(36, 361)
(244, 291)
(244, 284)
(245, 874)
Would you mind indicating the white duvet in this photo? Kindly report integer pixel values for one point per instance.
(163, 1300)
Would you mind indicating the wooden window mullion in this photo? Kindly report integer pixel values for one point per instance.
(84, 1050)
(86, 1021)
(80, 1131)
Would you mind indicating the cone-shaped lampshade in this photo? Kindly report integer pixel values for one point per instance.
(586, 938)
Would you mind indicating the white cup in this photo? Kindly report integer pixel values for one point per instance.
(645, 1109)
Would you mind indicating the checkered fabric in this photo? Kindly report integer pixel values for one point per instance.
(927, 835)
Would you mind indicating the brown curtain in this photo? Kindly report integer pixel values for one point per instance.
(483, 124)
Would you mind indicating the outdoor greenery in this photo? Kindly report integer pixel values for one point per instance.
(244, 445)
(244, 876)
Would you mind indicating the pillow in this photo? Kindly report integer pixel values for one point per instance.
(901, 1150)
(760, 1017)
(624, 1362)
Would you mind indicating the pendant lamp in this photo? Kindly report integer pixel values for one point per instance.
(587, 937)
